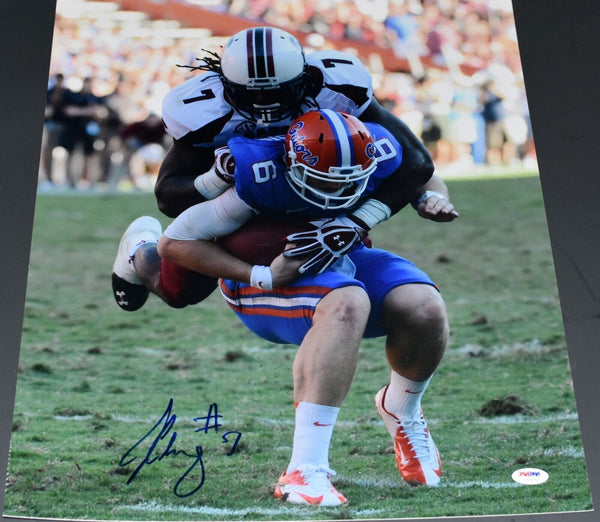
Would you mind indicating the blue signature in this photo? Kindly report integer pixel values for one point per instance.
(163, 431)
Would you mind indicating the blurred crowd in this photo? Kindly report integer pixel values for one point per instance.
(108, 78)
(477, 32)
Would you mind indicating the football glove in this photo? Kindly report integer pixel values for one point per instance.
(224, 164)
(331, 239)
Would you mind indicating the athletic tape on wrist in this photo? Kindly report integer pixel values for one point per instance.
(261, 277)
(430, 193)
(372, 212)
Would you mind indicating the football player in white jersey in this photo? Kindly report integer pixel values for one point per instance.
(259, 84)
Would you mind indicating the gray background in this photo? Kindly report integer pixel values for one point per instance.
(559, 41)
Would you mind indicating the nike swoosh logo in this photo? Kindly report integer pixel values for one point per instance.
(321, 425)
(398, 448)
(292, 210)
(413, 392)
(315, 501)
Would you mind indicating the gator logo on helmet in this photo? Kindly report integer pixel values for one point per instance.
(370, 149)
(299, 148)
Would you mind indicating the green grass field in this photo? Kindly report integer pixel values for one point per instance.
(93, 381)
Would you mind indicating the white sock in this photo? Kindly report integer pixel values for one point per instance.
(136, 247)
(403, 397)
(312, 434)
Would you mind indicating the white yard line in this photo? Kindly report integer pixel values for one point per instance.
(503, 419)
(226, 513)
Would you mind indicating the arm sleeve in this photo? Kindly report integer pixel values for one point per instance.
(210, 219)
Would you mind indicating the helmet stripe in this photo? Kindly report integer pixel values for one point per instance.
(250, 50)
(269, 52)
(259, 42)
(259, 47)
(343, 139)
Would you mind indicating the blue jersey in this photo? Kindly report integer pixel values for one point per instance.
(284, 315)
(261, 181)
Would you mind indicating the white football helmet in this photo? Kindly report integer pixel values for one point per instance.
(331, 156)
(264, 73)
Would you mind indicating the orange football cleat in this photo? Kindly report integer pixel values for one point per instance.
(309, 485)
(417, 457)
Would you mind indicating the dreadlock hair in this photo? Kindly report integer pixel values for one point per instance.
(211, 62)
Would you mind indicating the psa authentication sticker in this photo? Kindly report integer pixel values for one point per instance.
(530, 476)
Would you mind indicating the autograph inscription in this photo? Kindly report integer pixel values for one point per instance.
(163, 431)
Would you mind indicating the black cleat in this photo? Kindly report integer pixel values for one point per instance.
(128, 296)
(128, 290)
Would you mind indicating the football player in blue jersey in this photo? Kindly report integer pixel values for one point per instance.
(261, 82)
(326, 290)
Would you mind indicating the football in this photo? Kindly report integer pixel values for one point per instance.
(261, 240)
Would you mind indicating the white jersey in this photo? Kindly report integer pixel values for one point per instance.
(197, 108)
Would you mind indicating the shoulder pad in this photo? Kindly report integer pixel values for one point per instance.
(194, 104)
(346, 85)
(332, 60)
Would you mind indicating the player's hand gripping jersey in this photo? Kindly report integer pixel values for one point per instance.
(196, 110)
